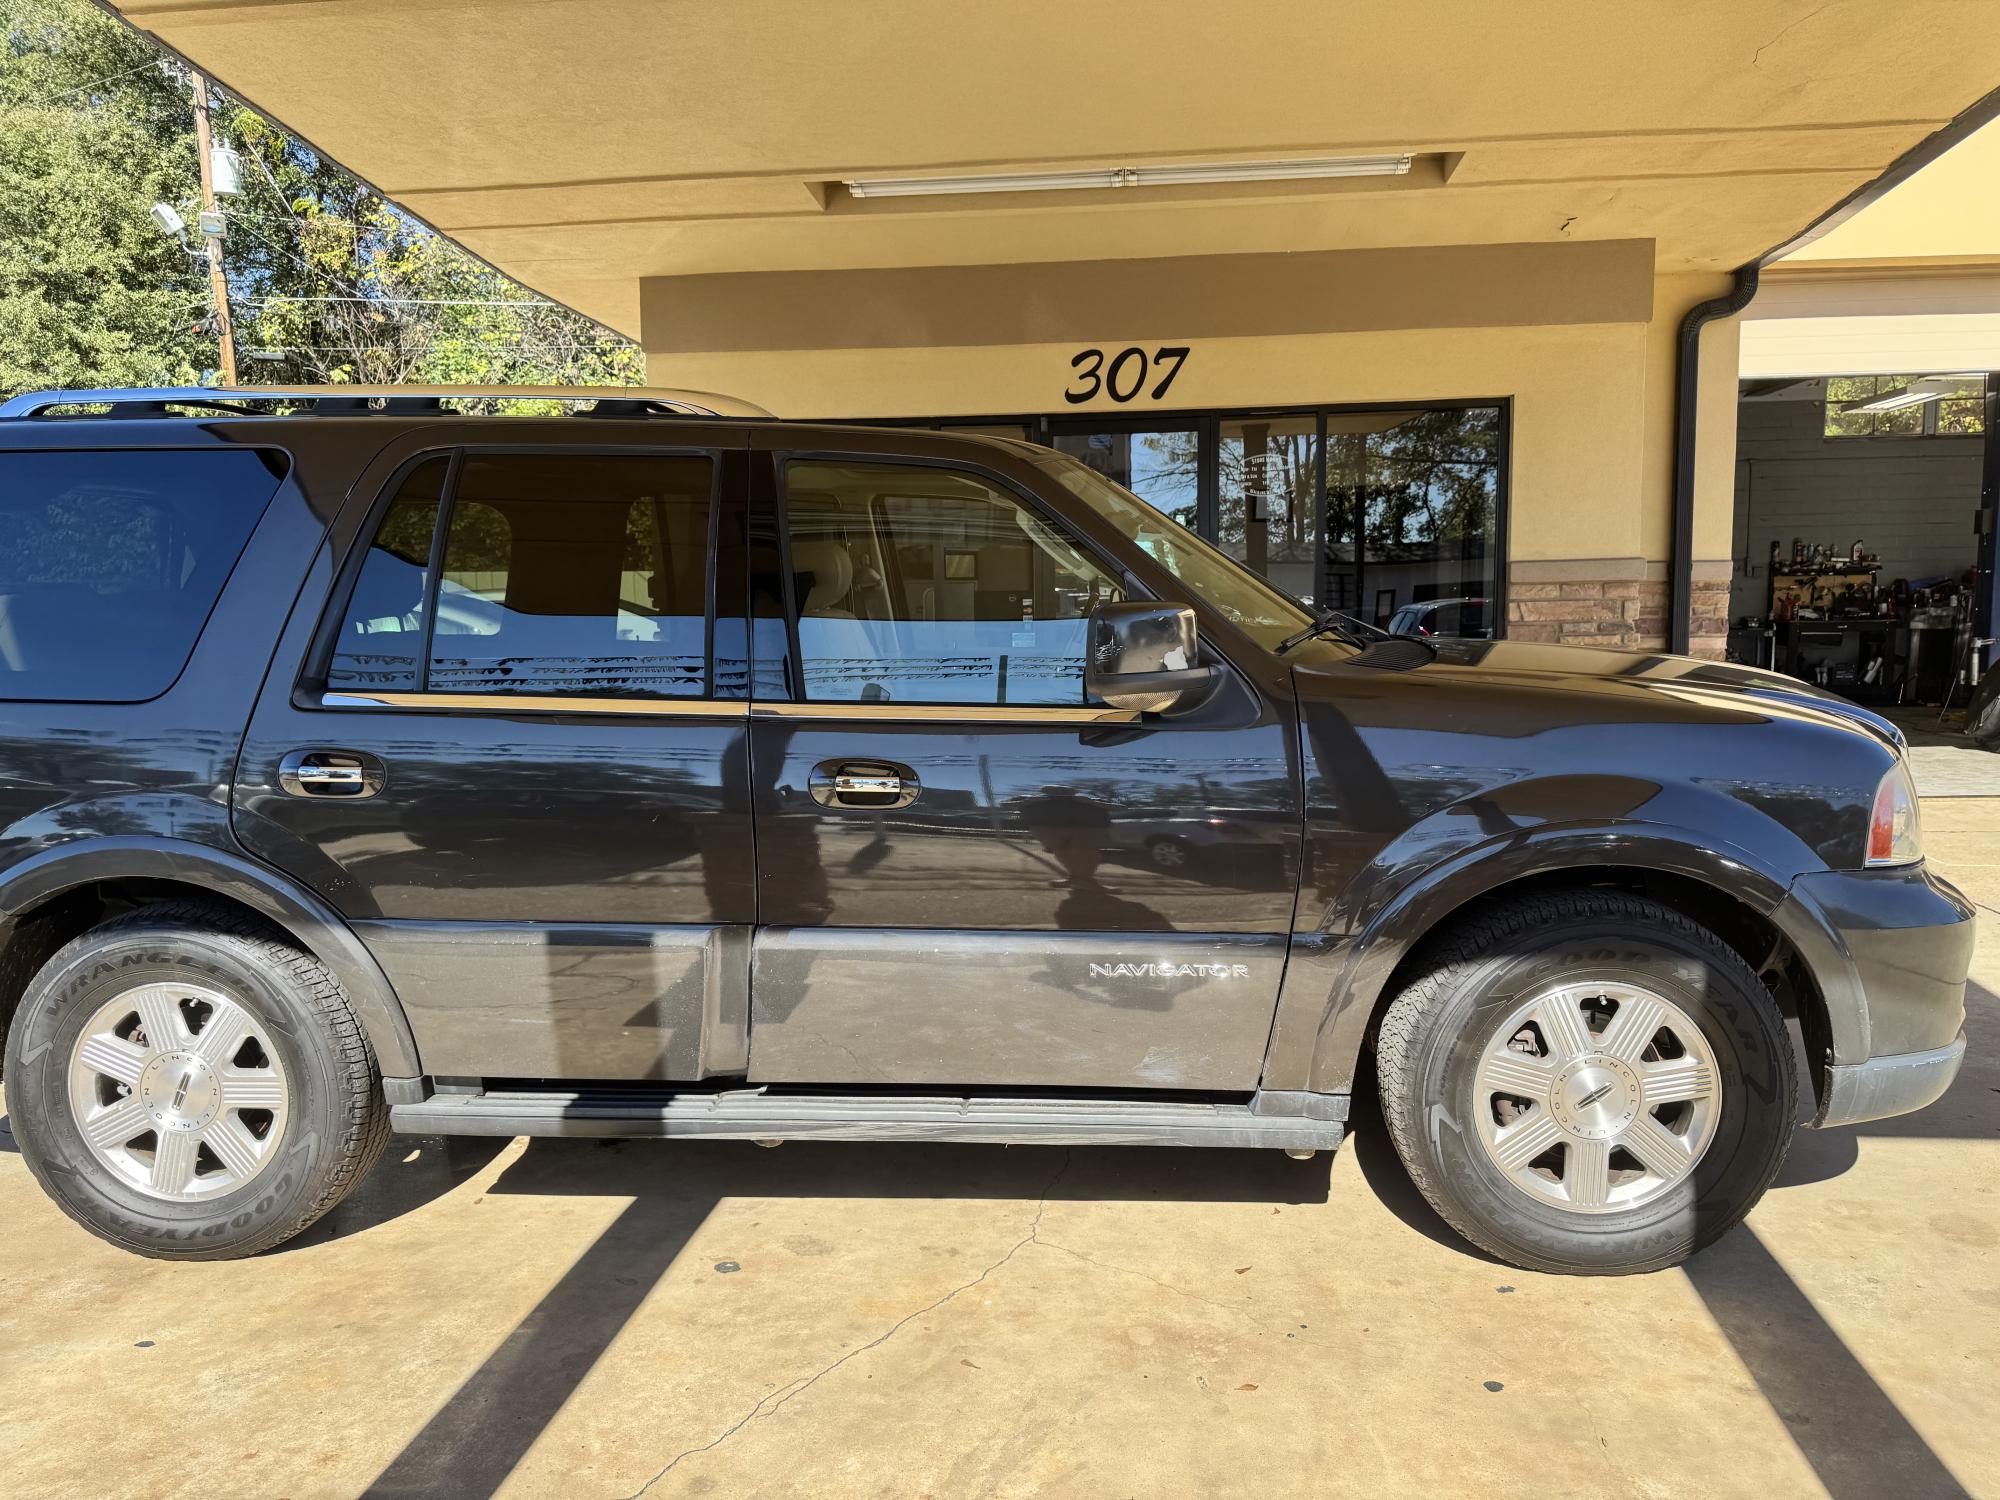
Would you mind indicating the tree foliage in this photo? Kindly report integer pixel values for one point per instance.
(91, 292)
(328, 281)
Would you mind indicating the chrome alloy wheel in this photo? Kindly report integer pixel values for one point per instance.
(1597, 1098)
(178, 1091)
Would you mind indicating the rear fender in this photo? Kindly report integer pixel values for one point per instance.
(315, 926)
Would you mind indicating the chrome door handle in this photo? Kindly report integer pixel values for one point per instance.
(877, 784)
(331, 773)
(847, 784)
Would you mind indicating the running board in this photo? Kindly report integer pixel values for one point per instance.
(754, 1114)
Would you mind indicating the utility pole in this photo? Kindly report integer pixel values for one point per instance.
(211, 233)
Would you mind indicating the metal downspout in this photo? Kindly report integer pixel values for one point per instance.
(1680, 606)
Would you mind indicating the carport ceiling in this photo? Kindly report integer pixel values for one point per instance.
(583, 145)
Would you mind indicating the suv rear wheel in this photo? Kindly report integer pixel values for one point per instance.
(1587, 1082)
(185, 1085)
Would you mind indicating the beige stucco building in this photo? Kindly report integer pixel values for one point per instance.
(1387, 298)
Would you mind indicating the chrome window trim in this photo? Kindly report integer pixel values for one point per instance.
(730, 708)
(949, 713)
(520, 703)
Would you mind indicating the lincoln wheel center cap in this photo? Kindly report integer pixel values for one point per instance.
(180, 1091)
(1596, 1097)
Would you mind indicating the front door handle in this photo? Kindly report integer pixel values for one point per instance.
(331, 773)
(864, 784)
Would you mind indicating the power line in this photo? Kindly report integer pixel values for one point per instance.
(43, 103)
(410, 301)
(250, 222)
(344, 348)
(306, 265)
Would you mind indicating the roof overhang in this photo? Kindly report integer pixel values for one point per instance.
(585, 147)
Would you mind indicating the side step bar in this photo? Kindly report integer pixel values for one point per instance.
(755, 1114)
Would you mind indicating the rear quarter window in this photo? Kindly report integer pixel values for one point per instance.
(111, 561)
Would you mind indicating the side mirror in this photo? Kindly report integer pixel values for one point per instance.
(1141, 655)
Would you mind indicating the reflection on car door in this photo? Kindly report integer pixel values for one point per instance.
(971, 875)
(555, 868)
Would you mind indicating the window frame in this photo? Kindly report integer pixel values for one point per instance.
(312, 690)
(781, 460)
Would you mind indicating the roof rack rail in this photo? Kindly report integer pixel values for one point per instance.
(354, 400)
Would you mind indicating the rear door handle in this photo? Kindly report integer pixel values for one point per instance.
(848, 784)
(331, 773)
(864, 784)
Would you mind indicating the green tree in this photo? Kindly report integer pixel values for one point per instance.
(91, 136)
(340, 286)
(329, 283)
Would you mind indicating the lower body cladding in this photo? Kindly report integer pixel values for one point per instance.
(852, 1034)
(1006, 1009)
(1896, 1084)
(897, 1008)
(578, 1001)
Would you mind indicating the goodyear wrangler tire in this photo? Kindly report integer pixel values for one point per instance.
(187, 1085)
(1587, 1082)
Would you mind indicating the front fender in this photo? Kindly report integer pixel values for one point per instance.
(314, 925)
(1335, 978)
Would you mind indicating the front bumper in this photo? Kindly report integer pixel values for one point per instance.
(1889, 950)
(1884, 1086)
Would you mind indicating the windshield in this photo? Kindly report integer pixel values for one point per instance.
(1261, 612)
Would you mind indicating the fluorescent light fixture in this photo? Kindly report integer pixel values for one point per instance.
(1127, 177)
(1935, 388)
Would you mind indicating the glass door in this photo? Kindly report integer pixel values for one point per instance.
(1159, 462)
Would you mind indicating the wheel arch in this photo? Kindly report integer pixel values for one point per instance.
(50, 898)
(1742, 901)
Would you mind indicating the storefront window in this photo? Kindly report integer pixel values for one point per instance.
(1159, 465)
(1267, 473)
(1412, 512)
(1392, 515)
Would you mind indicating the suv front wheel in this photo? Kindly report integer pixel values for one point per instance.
(187, 1085)
(1587, 1082)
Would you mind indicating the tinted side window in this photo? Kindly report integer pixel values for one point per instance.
(917, 585)
(575, 573)
(110, 563)
(381, 642)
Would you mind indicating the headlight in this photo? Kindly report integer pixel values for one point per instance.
(1893, 835)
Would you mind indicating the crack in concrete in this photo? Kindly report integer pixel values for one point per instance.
(766, 1405)
(1168, 1286)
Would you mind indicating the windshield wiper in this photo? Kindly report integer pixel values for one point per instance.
(1333, 622)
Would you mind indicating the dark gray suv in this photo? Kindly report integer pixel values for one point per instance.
(660, 769)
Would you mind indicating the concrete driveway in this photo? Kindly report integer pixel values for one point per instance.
(567, 1318)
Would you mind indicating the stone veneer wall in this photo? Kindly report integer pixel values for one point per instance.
(1620, 602)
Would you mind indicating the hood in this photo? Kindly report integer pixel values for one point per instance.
(1592, 669)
